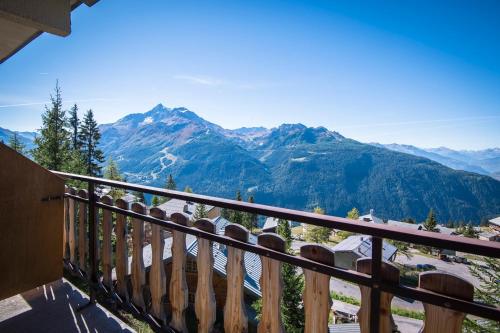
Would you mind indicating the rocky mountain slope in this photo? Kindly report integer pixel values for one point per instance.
(293, 166)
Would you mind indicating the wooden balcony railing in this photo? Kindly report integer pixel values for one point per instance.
(446, 298)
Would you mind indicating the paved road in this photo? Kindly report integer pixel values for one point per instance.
(460, 270)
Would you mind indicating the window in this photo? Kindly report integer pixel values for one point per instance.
(191, 297)
(191, 266)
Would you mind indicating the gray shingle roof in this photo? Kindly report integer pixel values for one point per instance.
(179, 206)
(253, 268)
(495, 221)
(271, 222)
(344, 328)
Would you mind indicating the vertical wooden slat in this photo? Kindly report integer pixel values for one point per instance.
(157, 279)
(138, 271)
(106, 255)
(65, 252)
(204, 304)
(317, 301)
(389, 274)
(121, 257)
(82, 230)
(178, 286)
(235, 318)
(72, 228)
(271, 285)
(439, 319)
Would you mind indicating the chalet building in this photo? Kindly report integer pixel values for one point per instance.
(371, 218)
(355, 247)
(270, 224)
(489, 236)
(252, 269)
(442, 229)
(495, 223)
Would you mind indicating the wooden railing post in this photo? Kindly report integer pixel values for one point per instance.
(72, 227)
(157, 279)
(178, 286)
(235, 318)
(65, 253)
(317, 301)
(121, 252)
(389, 274)
(439, 319)
(138, 271)
(204, 304)
(271, 285)
(82, 231)
(107, 251)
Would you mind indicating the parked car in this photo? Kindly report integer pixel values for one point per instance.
(425, 267)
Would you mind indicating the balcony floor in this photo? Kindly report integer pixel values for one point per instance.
(52, 308)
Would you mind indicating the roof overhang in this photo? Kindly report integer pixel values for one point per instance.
(23, 21)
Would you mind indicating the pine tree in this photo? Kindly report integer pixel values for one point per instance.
(138, 196)
(52, 145)
(236, 215)
(353, 214)
(200, 211)
(113, 173)
(89, 137)
(430, 224)
(155, 202)
(74, 124)
(250, 219)
(226, 213)
(16, 144)
(488, 292)
(315, 233)
(469, 231)
(171, 183)
(188, 189)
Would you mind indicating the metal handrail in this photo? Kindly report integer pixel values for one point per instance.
(462, 244)
(377, 231)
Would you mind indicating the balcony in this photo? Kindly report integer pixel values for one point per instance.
(141, 260)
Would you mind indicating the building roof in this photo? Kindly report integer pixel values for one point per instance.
(362, 246)
(371, 218)
(488, 235)
(344, 328)
(23, 21)
(495, 221)
(271, 222)
(405, 224)
(253, 268)
(181, 206)
(442, 229)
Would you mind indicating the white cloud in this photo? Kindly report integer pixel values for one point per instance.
(202, 80)
(64, 101)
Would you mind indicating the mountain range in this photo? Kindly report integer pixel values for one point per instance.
(26, 138)
(294, 166)
(302, 167)
(485, 162)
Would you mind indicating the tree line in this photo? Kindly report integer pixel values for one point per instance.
(64, 142)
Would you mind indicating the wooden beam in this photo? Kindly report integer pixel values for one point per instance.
(53, 16)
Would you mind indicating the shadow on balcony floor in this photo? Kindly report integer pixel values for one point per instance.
(52, 308)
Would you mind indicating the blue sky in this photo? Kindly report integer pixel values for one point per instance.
(413, 72)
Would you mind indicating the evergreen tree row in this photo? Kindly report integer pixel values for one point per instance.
(64, 143)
